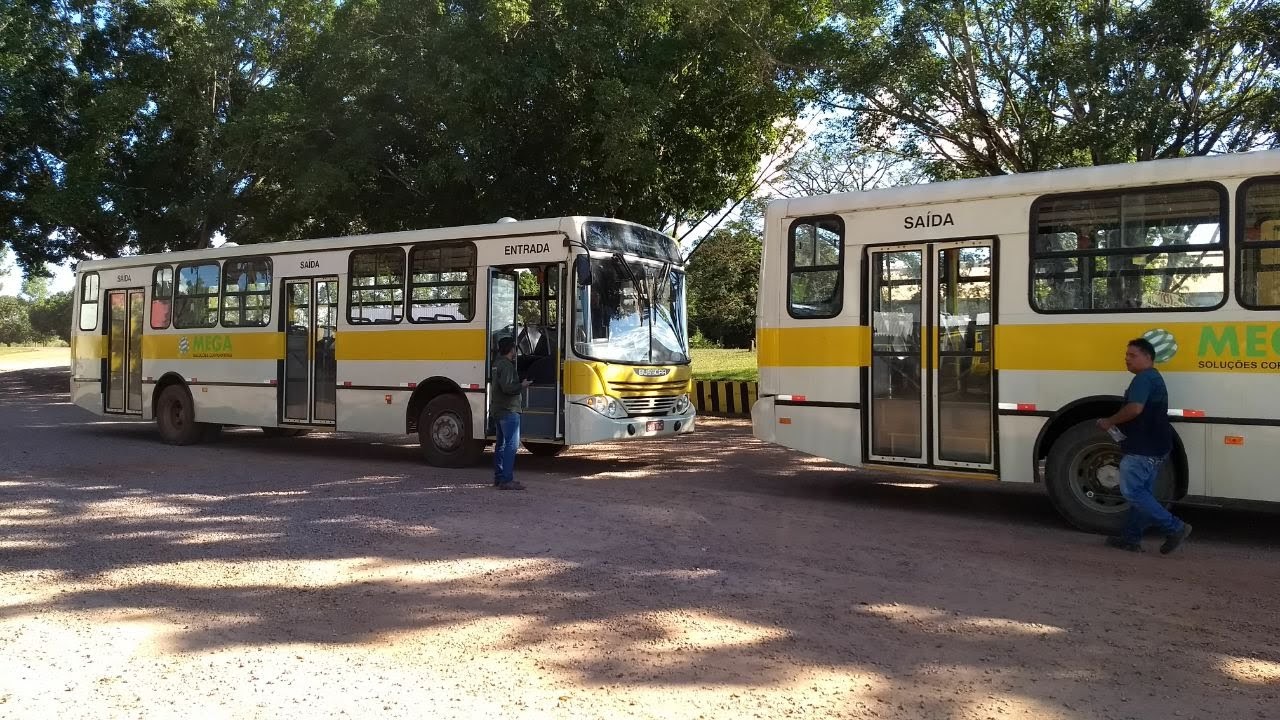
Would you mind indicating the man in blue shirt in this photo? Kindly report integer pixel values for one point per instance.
(1146, 440)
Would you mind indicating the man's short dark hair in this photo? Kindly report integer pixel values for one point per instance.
(1145, 346)
(507, 342)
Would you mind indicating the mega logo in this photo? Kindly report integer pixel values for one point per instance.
(1240, 347)
(1163, 342)
(205, 346)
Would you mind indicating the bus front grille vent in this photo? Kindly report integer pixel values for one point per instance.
(646, 406)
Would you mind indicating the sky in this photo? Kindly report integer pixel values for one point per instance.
(11, 277)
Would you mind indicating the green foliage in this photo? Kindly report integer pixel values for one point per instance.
(51, 317)
(150, 126)
(132, 125)
(724, 279)
(698, 341)
(441, 114)
(15, 326)
(986, 87)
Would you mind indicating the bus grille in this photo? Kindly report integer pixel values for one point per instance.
(646, 406)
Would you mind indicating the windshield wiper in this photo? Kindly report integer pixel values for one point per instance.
(631, 275)
(642, 298)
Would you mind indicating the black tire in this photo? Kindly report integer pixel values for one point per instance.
(279, 432)
(445, 433)
(176, 417)
(1082, 476)
(544, 449)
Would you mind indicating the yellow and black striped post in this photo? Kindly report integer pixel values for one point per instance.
(724, 397)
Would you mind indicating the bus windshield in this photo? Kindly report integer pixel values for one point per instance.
(632, 312)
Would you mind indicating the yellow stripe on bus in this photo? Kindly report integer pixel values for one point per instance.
(444, 345)
(214, 346)
(1180, 347)
(88, 347)
(814, 346)
(1251, 347)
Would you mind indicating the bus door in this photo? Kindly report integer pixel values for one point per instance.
(523, 305)
(309, 373)
(124, 351)
(930, 385)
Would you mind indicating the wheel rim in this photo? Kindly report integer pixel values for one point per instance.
(446, 431)
(1095, 479)
(174, 413)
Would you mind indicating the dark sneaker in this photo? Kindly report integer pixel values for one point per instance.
(1171, 542)
(1120, 543)
(513, 485)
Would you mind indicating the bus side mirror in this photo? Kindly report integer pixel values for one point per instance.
(582, 270)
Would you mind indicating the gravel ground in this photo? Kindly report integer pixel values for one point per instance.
(708, 577)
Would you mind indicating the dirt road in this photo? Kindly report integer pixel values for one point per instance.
(714, 577)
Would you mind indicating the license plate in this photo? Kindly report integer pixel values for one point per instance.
(654, 424)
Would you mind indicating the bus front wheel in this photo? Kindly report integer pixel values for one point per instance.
(1082, 475)
(444, 432)
(176, 417)
(544, 449)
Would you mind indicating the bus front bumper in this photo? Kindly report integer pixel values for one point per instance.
(585, 425)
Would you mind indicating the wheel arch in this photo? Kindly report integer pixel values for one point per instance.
(425, 392)
(1097, 406)
(165, 381)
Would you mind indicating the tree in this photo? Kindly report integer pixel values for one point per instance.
(422, 114)
(138, 126)
(987, 87)
(35, 288)
(724, 279)
(50, 318)
(835, 163)
(15, 328)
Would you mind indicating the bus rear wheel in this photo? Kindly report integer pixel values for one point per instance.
(544, 449)
(1082, 475)
(176, 417)
(444, 432)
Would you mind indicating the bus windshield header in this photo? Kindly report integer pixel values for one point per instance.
(631, 240)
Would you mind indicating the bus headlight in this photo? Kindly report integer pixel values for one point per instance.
(682, 405)
(607, 406)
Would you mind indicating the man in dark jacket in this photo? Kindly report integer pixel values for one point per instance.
(504, 407)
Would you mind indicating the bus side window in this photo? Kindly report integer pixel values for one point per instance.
(196, 299)
(1157, 248)
(442, 279)
(815, 268)
(161, 297)
(1259, 248)
(89, 302)
(376, 291)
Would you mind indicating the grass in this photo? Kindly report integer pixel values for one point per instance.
(725, 365)
(14, 349)
(7, 350)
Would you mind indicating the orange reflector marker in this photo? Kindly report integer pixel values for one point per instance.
(1233, 440)
(784, 421)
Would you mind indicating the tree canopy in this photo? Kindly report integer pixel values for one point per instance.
(132, 126)
(987, 87)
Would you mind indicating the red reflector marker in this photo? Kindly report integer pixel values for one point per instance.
(1026, 407)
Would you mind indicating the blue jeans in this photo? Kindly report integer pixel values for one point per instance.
(1137, 476)
(507, 428)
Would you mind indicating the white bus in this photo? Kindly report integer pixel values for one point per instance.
(394, 333)
(979, 326)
